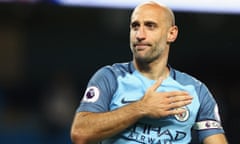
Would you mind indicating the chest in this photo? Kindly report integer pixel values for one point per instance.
(132, 88)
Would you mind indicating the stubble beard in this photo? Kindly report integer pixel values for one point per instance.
(143, 61)
(149, 56)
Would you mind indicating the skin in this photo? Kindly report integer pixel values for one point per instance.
(152, 30)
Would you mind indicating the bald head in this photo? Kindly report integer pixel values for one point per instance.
(161, 8)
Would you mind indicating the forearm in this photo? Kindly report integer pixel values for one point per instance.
(93, 127)
(216, 139)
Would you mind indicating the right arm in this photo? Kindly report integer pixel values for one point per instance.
(89, 127)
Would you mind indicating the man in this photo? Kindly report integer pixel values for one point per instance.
(146, 100)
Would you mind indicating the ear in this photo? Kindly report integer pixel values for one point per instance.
(172, 34)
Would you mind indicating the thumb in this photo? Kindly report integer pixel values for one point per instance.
(157, 83)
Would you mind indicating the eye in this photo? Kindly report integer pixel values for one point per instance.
(151, 25)
(135, 25)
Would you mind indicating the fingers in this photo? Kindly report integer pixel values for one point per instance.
(161, 104)
(179, 104)
(176, 111)
(177, 93)
(176, 103)
(180, 99)
(185, 97)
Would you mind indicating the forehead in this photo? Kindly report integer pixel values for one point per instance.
(148, 12)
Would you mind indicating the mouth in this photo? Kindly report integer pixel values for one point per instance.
(141, 46)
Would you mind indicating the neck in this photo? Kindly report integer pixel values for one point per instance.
(153, 70)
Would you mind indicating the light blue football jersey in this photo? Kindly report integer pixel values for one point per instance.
(112, 87)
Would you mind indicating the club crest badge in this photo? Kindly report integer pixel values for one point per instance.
(183, 116)
(91, 94)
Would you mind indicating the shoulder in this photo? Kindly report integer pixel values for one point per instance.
(204, 94)
(187, 79)
(109, 73)
(116, 69)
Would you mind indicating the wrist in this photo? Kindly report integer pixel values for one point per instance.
(139, 109)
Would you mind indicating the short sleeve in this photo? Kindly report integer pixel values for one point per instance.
(208, 121)
(99, 91)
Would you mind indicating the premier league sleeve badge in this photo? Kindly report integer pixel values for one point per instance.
(91, 94)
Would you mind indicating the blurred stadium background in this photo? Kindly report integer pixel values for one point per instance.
(48, 52)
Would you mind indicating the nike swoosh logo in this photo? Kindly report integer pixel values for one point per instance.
(124, 101)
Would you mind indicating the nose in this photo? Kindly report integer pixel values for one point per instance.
(141, 34)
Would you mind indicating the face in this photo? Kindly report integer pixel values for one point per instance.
(150, 32)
